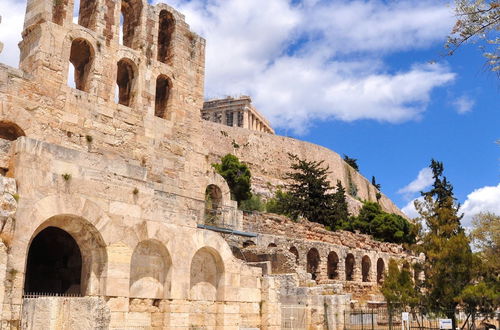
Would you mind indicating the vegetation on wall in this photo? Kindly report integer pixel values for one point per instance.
(237, 176)
(353, 162)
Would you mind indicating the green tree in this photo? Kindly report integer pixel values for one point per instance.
(254, 203)
(310, 192)
(485, 237)
(478, 21)
(445, 245)
(237, 176)
(340, 209)
(377, 186)
(353, 162)
(279, 203)
(398, 287)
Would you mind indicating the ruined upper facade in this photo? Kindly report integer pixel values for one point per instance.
(236, 112)
(105, 170)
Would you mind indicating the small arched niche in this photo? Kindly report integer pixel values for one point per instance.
(380, 270)
(206, 278)
(54, 265)
(87, 13)
(125, 80)
(313, 263)
(81, 59)
(295, 252)
(162, 97)
(10, 131)
(165, 31)
(349, 267)
(333, 262)
(366, 265)
(213, 204)
(130, 20)
(272, 245)
(248, 243)
(150, 271)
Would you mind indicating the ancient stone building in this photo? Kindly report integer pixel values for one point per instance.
(105, 169)
(236, 112)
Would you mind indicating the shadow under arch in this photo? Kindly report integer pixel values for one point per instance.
(92, 247)
(10, 130)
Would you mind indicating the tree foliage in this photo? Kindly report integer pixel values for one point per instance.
(353, 162)
(485, 237)
(398, 287)
(310, 195)
(237, 176)
(478, 21)
(383, 226)
(446, 247)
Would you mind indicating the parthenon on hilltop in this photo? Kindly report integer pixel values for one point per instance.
(105, 169)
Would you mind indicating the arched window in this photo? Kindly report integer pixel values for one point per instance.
(333, 261)
(295, 252)
(272, 245)
(59, 11)
(163, 87)
(125, 79)
(248, 243)
(10, 131)
(54, 264)
(165, 31)
(81, 58)
(131, 11)
(149, 271)
(206, 276)
(380, 270)
(349, 267)
(87, 13)
(366, 266)
(313, 263)
(213, 204)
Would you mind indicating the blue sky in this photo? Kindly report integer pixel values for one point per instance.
(363, 78)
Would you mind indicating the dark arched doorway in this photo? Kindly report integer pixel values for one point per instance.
(349, 267)
(333, 261)
(313, 263)
(54, 264)
(10, 131)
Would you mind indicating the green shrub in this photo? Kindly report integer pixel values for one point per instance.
(255, 203)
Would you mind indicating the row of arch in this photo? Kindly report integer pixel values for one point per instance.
(81, 60)
(130, 19)
(58, 263)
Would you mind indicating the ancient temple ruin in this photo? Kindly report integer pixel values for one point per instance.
(105, 167)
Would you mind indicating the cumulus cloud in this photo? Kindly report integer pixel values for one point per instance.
(485, 199)
(410, 210)
(310, 60)
(424, 179)
(307, 60)
(463, 104)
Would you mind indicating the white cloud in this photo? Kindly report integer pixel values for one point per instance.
(485, 199)
(463, 104)
(320, 60)
(424, 179)
(410, 210)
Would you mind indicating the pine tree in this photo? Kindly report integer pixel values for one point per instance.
(340, 211)
(309, 191)
(448, 254)
(353, 162)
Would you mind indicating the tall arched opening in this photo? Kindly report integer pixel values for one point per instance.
(163, 89)
(349, 267)
(366, 266)
(10, 131)
(380, 270)
(333, 261)
(165, 31)
(150, 271)
(125, 80)
(87, 14)
(54, 265)
(213, 204)
(295, 252)
(80, 59)
(313, 263)
(130, 20)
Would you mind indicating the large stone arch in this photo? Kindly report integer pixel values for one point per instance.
(366, 269)
(81, 218)
(92, 249)
(206, 275)
(150, 271)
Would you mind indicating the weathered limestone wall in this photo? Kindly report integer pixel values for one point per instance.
(267, 156)
(59, 313)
